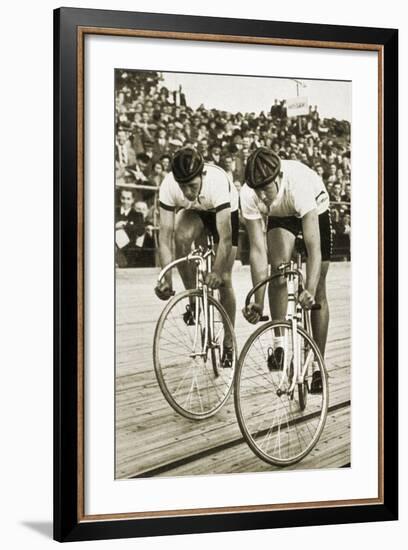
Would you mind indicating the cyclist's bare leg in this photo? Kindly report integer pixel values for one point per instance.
(280, 247)
(320, 317)
(227, 294)
(188, 228)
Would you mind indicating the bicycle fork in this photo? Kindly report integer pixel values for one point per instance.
(202, 307)
(299, 369)
(293, 316)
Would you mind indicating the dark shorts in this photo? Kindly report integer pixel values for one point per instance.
(209, 221)
(294, 225)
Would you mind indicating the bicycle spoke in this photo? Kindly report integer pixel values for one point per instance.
(279, 428)
(191, 383)
(180, 338)
(181, 381)
(184, 334)
(195, 385)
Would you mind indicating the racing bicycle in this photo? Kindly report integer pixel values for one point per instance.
(279, 416)
(189, 341)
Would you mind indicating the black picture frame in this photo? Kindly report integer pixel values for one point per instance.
(69, 523)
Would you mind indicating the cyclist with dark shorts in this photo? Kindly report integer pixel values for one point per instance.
(285, 198)
(195, 198)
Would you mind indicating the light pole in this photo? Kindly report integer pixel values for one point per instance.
(298, 83)
(303, 85)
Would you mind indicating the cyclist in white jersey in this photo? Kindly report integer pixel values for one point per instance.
(292, 199)
(196, 197)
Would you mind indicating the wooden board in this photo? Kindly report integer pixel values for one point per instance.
(152, 439)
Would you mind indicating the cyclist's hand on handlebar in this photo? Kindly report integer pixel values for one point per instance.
(306, 299)
(213, 280)
(164, 291)
(253, 313)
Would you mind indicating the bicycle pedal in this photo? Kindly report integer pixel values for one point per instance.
(275, 359)
(227, 359)
(189, 316)
(316, 385)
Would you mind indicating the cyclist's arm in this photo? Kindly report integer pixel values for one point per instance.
(223, 221)
(166, 240)
(258, 257)
(311, 235)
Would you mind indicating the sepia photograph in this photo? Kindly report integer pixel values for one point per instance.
(232, 237)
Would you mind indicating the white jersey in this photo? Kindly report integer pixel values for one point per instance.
(216, 192)
(301, 190)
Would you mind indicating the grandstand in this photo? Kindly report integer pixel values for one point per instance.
(152, 122)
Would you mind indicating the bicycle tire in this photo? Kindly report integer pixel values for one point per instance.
(303, 391)
(215, 363)
(220, 384)
(251, 405)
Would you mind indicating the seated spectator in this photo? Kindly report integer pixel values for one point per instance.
(332, 171)
(129, 225)
(303, 158)
(141, 172)
(347, 224)
(137, 140)
(292, 139)
(158, 174)
(166, 162)
(309, 146)
(335, 221)
(276, 147)
(340, 175)
(202, 147)
(346, 196)
(344, 235)
(141, 208)
(149, 152)
(329, 186)
(316, 155)
(319, 169)
(215, 154)
(345, 162)
(124, 153)
(161, 142)
(335, 195)
(145, 243)
(138, 169)
(228, 164)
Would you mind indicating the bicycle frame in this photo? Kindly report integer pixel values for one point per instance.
(203, 261)
(295, 314)
(292, 271)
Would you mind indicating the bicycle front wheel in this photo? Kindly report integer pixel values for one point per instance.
(188, 345)
(280, 426)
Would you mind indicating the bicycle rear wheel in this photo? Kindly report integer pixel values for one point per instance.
(188, 369)
(280, 427)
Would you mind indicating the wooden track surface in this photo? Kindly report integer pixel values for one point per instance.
(152, 439)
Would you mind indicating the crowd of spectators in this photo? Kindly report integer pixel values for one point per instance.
(152, 122)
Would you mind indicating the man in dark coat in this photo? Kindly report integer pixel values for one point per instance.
(129, 225)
